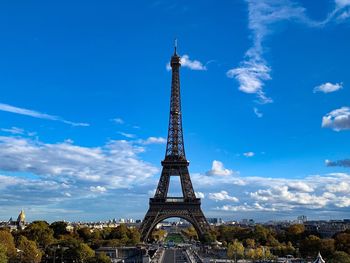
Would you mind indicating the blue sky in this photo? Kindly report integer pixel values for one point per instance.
(85, 99)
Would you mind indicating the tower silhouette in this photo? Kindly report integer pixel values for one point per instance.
(175, 163)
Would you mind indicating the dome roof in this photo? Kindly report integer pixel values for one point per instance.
(21, 216)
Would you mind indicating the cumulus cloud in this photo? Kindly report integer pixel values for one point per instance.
(300, 186)
(37, 114)
(188, 63)
(329, 192)
(65, 174)
(328, 87)
(153, 140)
(199, 195)
(342, 187)
(114, 165)
(222, 196)
(337, 120)
(292, 198)
(219, 169)
(98, 189)
(245, 208)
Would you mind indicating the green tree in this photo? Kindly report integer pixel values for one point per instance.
(190, 233)
(296, 229)
(40, 232)
(6, 239)
(3, 254)
(250, 253)
(78, 251)
(59, 228)
(28, 251)
(84, 233)
(209, 238)
(250, 243)
(327, 246)
(295, 233)
(310, 246)
(261, 234)
(100, 258)
(134, 236)
(342, 242)
(235, 250)
(159, 234)
(340, 257)
(121, 233)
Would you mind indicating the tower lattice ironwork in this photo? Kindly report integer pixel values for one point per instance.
(161, 206)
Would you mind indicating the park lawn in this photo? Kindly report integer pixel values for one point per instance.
(174, 237)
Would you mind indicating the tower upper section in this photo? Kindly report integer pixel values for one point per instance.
(175, 149)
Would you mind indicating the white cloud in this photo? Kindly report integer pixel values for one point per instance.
(338, 119)
(258, 113)
(13, 130)
(36, 114)
(188, 63)
(249, 154)
(153, 140)
(253, 71)
(300, 186)
(342, 187)
(284, 195)
(328, 87)
(246, 208)
(219, 169)
(200, 195)
(114, 165)
(342, 3)
(127, 135)
(98, 189)
(251, 75)
(191, 64)
(328, 192)
(118, 120)
(222, 196)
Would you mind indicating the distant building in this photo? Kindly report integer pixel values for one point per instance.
(21, 220)
(215, 221)
(20, 223)
(301, 219)
(247, 222)
(327, 228)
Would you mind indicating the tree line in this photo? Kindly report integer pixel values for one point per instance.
(42, 242)
(260, 242)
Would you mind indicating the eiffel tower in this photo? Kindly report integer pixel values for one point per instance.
(188, 206)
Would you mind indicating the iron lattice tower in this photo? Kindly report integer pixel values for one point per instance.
(175, 163)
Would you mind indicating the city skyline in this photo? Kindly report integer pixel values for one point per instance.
(85, 104)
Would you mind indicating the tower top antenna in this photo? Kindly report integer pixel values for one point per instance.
(175, 46)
